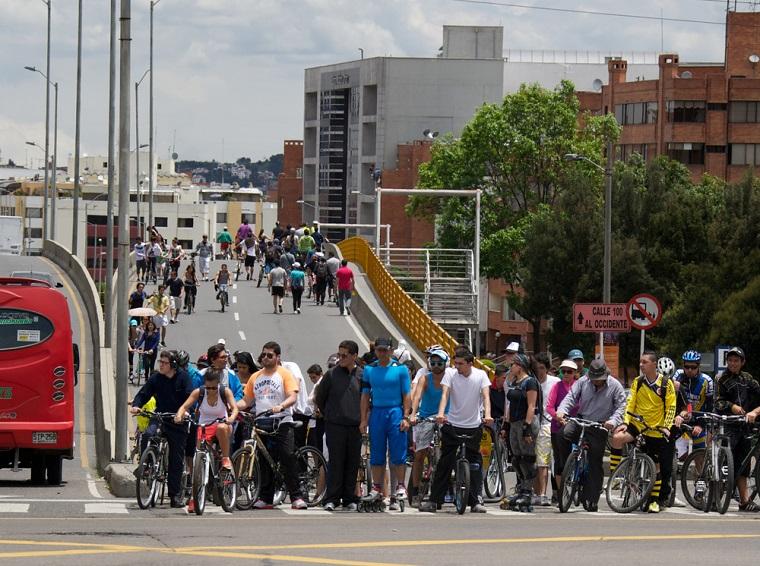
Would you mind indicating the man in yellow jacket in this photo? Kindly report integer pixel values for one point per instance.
(653, 398)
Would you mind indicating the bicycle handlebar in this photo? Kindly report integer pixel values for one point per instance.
(716, 417)
(154, 415)
(586, 423)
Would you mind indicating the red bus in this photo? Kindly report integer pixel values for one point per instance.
(38, 372)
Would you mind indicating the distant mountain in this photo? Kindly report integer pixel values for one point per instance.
(262, 174)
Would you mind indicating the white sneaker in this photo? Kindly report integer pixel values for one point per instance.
(261, 504)
(401, 492)
(299, 504)
(392, 504)
(678, 503)
(351, 507)
(329, 506)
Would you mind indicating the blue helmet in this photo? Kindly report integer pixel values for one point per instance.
(691, 356)
(575, 354)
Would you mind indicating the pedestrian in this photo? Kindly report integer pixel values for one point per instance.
(137, 298)
(277, 278)
(159, 302)
(541, 364)
(316, 431)
(140, 259)
(176, 286)
(339, 399)
(297, 280)
(321, 274)
(205, 251)
(345, 278)
(333, 265)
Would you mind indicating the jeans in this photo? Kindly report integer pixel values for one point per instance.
(449, 446)
(282, 449)
(344, 300)
(297, 292)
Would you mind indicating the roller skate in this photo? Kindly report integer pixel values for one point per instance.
(398, 500)
(520, 502)
(373, 502)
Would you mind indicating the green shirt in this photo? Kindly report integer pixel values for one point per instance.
(224, 238)
(305, 243)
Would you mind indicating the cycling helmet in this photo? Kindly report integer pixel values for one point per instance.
(433, 348)
(666, 367)
(691, 356)
(183, 358)
(439, 353)
(203, 361)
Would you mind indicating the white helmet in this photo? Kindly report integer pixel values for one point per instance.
(666, 367)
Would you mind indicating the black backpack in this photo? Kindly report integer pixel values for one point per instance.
(663, 387)
(202, 394)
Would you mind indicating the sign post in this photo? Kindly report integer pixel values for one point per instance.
(601, 318)
(644, 312)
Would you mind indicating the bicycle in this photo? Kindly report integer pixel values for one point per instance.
(209, 473)
(707, 478)
(153, 469)
(222, 296)
(575, 471)
(494, 482)
(632, 481)
(190, 291)
(428, 465)
(461, 475)
(239, 267)
(247, 467)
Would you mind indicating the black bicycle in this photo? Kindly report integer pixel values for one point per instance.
(462, 475)
(494, 482)
(246, 465)
(222, 296)
(575, 472)
(153, 469)
(632, 481)
(208, 473)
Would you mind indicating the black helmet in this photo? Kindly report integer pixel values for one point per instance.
(736, 351)
(183, 358)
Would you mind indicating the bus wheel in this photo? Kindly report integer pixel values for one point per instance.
(54, 465)
(38, 470)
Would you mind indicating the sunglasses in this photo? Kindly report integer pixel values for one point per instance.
(436, 364)
(690, 367)
(268, 355)
(211, 387)
(567, 370)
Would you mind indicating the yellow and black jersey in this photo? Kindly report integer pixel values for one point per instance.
(646, 399)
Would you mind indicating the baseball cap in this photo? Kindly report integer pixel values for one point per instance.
(439, 353)
(383, 343)
(568, 364)
(736, 351)
(512, 347)
(597, 369)
(296, 264)
(132, 323)
(501, 369)
(222, 341)
(575, 354)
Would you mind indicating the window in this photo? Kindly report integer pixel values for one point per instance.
(744, 154)
(33, 212)
(184, 222)
(715, 149)
(743, 112)
(686, 110)
(636, 113)
(716, 105)
(105, 164)
(508, 313)
(23, 329)
(299, 172)
(625, 152)
(158, 166)
(100, 220)
(221, 217)
(32, 232)
(186, 244)
(494, 302)
(687, 153)
(161, 221)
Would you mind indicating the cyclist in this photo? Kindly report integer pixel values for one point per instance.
(567, 372)
(425, 401)
(389, 386)
(467, 389)
(652, 396)
(597, 396)
(250, 245)
(171, 386)
(244, 231)
(221, 280)
(694, 391)
(205, 250)
(224, 239)
(739, 394)
(306, 246)
(217, 357)
(274, 388)
(176, 255)
(190, 281)
(142, 266)
(667, 368)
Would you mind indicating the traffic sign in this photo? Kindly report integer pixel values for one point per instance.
(720, 362)
(644, 311)
(600, 317)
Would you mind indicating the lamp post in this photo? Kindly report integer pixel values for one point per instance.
(137, 153)
(607, 270)
(111, 173)
(77, 134)
(151, 179)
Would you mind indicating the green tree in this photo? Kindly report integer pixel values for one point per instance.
(737, 321)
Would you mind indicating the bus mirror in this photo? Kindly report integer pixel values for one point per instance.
(76, 364)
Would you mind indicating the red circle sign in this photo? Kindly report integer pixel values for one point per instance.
(644, 311)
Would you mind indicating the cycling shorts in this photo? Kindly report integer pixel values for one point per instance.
(210, 432)
(423, 435)
(385, 436)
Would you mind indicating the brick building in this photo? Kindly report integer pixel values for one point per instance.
(289, 188)
(704, 115)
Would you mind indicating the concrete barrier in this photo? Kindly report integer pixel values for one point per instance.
(102, 369)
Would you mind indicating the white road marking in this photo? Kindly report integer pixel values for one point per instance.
(309, 512)
(92, 487)
(105, 508)
(242, 335)
(237, 316)
(363, 339)
(234, 300)
(14, 507)
(234, 285)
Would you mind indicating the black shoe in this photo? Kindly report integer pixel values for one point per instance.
(177, 502)
(427, 507)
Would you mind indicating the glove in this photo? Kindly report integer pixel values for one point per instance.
(527, 431)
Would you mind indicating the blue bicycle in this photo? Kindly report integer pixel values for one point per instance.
(575, 472)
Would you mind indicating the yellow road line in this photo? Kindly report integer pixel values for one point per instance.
(21, 542)
(83, 365)
(61, 553)
(221, 553)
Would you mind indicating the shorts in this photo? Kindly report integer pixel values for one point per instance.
(544, 446)
(740, 448)
(142, 265)
(654, 445)
(423, 435)
(210, 432)
(175, 302)
(204, 262)
(250, 261)
(385, 436)
(161, 320)
(278, 291)
(224, 246)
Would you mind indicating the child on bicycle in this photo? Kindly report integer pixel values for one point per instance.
(222, 280)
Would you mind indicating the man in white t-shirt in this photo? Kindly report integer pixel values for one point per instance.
(466, 393)
(302, 409)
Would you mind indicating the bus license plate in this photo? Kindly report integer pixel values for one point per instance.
(44, 437)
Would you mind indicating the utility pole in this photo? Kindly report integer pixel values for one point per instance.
(46, 204)
(77, 133)
(109, 211)
(122, 321)
(55, 167)
(151, 178)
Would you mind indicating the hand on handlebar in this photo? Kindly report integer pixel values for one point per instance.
(135, 410)
(440, 419)
(609, 425)
(488, 421)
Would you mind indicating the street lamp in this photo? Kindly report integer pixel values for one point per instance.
(607, 280)
(77, 134)
(153, 4)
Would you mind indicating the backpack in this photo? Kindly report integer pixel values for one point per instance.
(222, 395)
(663, 387)
(321, 270)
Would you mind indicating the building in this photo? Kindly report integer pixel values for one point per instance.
(94, 169)
(288, 193)
(704, 115)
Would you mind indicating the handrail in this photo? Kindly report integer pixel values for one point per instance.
(426, 302)
(422, 330)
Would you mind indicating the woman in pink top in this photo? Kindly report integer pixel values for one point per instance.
(568, 371)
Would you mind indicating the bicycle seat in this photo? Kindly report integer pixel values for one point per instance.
(463, 437)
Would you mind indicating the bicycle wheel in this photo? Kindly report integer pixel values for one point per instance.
(722, 484)
(629, 487)
(147, 478)
(247, 476)
(200, 481)
(673, 480)
(754, 477)
(493, 484)
(462, 485)
(227, 489)
(312, 475)
(163, 471)
(569, 486)
(222, 299)
(694, 479)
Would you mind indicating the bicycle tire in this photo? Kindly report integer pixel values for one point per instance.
(569, 484)
(200, 481)
(461, 485)
(633, 479)
(312, 475)
(754, 477)
(722, 484)
(673, 480)
(147, 478)
(163, 471)
(248, 478)
(493, 483)
(227, 489)
(222, 300)
(693, 472)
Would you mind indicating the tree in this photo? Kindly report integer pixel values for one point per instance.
(737, 321)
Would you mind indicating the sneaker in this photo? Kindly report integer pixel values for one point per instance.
(478, 508)
(226, 463)
(654, 507)
(299, 504)
(280, 307)
(275, 311)
(535, 500)
(191, 506)
(372, 495)
(176, 502)
(261, 504)
(545, 501)
(351, 507)
(329, 506)
(163, 344)
(348, 311)
(392, 504)
(401, 492)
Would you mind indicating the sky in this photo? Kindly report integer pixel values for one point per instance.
(229, 73)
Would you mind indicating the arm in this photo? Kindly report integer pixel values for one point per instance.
(321, 391)
(484, 392)
(142, 397)
(235, 385)
(419, 390)
(182, 411)
(551, 402)
(620, 405)
(441, 417)
(532, 397)
(364, 412)
(406, 402)
(231, 405)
